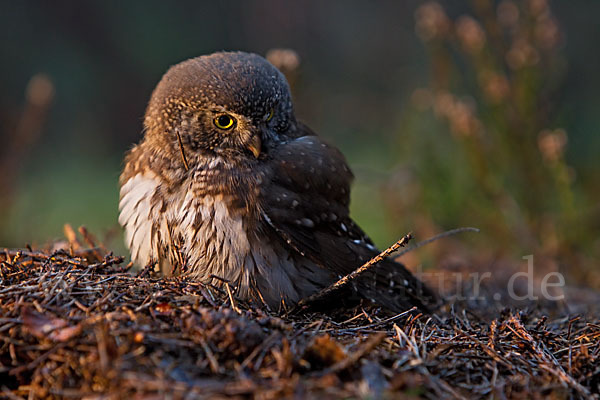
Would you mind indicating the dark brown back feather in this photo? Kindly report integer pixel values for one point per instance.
(306, 205)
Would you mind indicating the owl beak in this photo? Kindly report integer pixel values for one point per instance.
(255, 145)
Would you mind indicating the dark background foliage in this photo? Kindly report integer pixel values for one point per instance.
(478, 113)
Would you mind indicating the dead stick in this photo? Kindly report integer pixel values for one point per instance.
(547, 360)
(91, 241)
(233, 305)
(378, 258)
(366, 348)
(71, 237)
(214, 364)
(437, 237)
(374, 324)
(343, 281)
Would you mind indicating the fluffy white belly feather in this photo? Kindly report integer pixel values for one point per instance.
(201, 234)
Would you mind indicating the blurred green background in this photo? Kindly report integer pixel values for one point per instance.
(451, 113)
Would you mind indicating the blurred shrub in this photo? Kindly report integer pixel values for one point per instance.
(486, 146)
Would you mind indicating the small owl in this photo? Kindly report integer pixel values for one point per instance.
(227, 186)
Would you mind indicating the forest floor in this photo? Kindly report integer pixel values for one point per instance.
(80, 324)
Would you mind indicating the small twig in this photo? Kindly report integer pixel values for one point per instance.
(419, 363)
(378, 258)
(374, 324)
(147, 270)
(257, 350)
(344, 280)
(97, 250)
(38, 360)
(233, 305)
(212, 361)
(71, 237)
(368, 345)
(547, 360)
(571, 325)
(489, 350)
(435, 238)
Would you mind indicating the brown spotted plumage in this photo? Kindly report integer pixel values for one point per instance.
(227, 185)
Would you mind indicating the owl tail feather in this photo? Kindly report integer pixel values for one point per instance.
(387, 283)
(394, 287)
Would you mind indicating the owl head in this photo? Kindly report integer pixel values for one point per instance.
(228, 104)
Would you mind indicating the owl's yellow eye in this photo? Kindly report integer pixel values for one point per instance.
(270, 116)
(224, 121)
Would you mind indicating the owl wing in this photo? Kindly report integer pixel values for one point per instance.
(306, 206)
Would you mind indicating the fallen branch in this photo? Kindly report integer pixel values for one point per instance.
(377, 259)
(344, 280)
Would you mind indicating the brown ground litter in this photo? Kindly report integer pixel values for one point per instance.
(79, 324)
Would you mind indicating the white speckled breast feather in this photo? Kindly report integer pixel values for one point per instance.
(201, 234)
